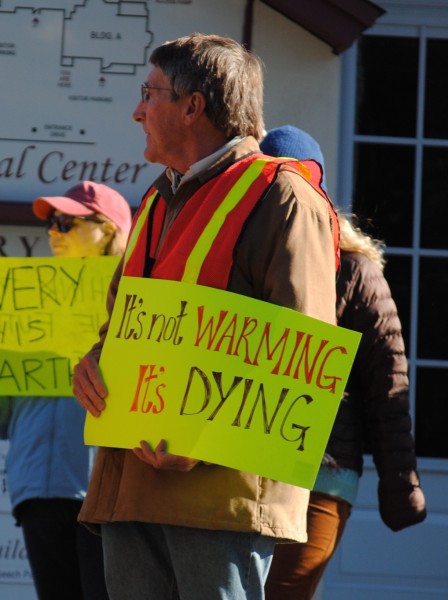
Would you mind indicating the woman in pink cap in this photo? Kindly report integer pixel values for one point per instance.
(48, 465)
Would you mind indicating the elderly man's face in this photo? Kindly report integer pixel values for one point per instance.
(161, 119)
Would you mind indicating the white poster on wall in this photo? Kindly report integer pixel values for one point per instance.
(73, 73)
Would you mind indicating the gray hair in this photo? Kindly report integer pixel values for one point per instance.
(228, 76)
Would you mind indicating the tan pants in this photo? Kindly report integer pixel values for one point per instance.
(296, 569)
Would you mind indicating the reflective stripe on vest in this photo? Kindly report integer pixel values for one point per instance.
(199, 245)
(211, 233)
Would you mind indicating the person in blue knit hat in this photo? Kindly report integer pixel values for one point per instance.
(290, 141)
(375, 406)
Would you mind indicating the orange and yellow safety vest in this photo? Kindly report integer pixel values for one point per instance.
(199, 246)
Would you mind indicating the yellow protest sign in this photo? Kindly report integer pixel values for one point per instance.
(50, 312)
(223, 378)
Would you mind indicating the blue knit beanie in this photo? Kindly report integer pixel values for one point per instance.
(294, 143)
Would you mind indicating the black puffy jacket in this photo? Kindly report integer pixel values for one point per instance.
(374, 413)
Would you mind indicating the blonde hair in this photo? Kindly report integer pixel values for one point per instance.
(352, 239)
(117, 244)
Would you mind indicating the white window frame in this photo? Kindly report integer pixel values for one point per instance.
(423, 20)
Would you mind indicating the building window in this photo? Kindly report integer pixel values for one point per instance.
(396, 129)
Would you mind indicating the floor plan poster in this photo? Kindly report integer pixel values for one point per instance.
(71, 74)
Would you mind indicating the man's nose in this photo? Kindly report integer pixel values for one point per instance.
(138, 113)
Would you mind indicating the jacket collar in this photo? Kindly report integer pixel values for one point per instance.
(241, 149)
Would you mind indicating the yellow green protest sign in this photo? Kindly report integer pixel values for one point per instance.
(50, 312)
(223, 378)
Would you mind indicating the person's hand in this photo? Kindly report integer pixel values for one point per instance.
(401, 500)
(159, 459)
(88, 385)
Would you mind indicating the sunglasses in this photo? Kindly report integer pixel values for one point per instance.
(66, 222)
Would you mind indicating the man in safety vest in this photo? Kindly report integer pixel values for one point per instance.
(221, 215)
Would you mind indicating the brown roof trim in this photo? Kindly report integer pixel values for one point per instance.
(17, 213)
(21, 213)
(336, 22)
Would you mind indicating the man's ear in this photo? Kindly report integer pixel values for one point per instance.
(195, 107)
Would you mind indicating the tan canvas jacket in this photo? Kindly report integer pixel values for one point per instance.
(286, 257)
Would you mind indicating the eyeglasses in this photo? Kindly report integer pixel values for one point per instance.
(66, 222)
(145, 93)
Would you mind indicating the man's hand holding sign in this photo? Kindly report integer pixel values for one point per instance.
(91, 393)
(89, 387)
(160, 459)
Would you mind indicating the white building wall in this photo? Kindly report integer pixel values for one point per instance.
(301, 81)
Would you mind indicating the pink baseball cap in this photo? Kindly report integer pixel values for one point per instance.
(87, 198)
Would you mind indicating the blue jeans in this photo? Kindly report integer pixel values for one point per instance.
(148, 561)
